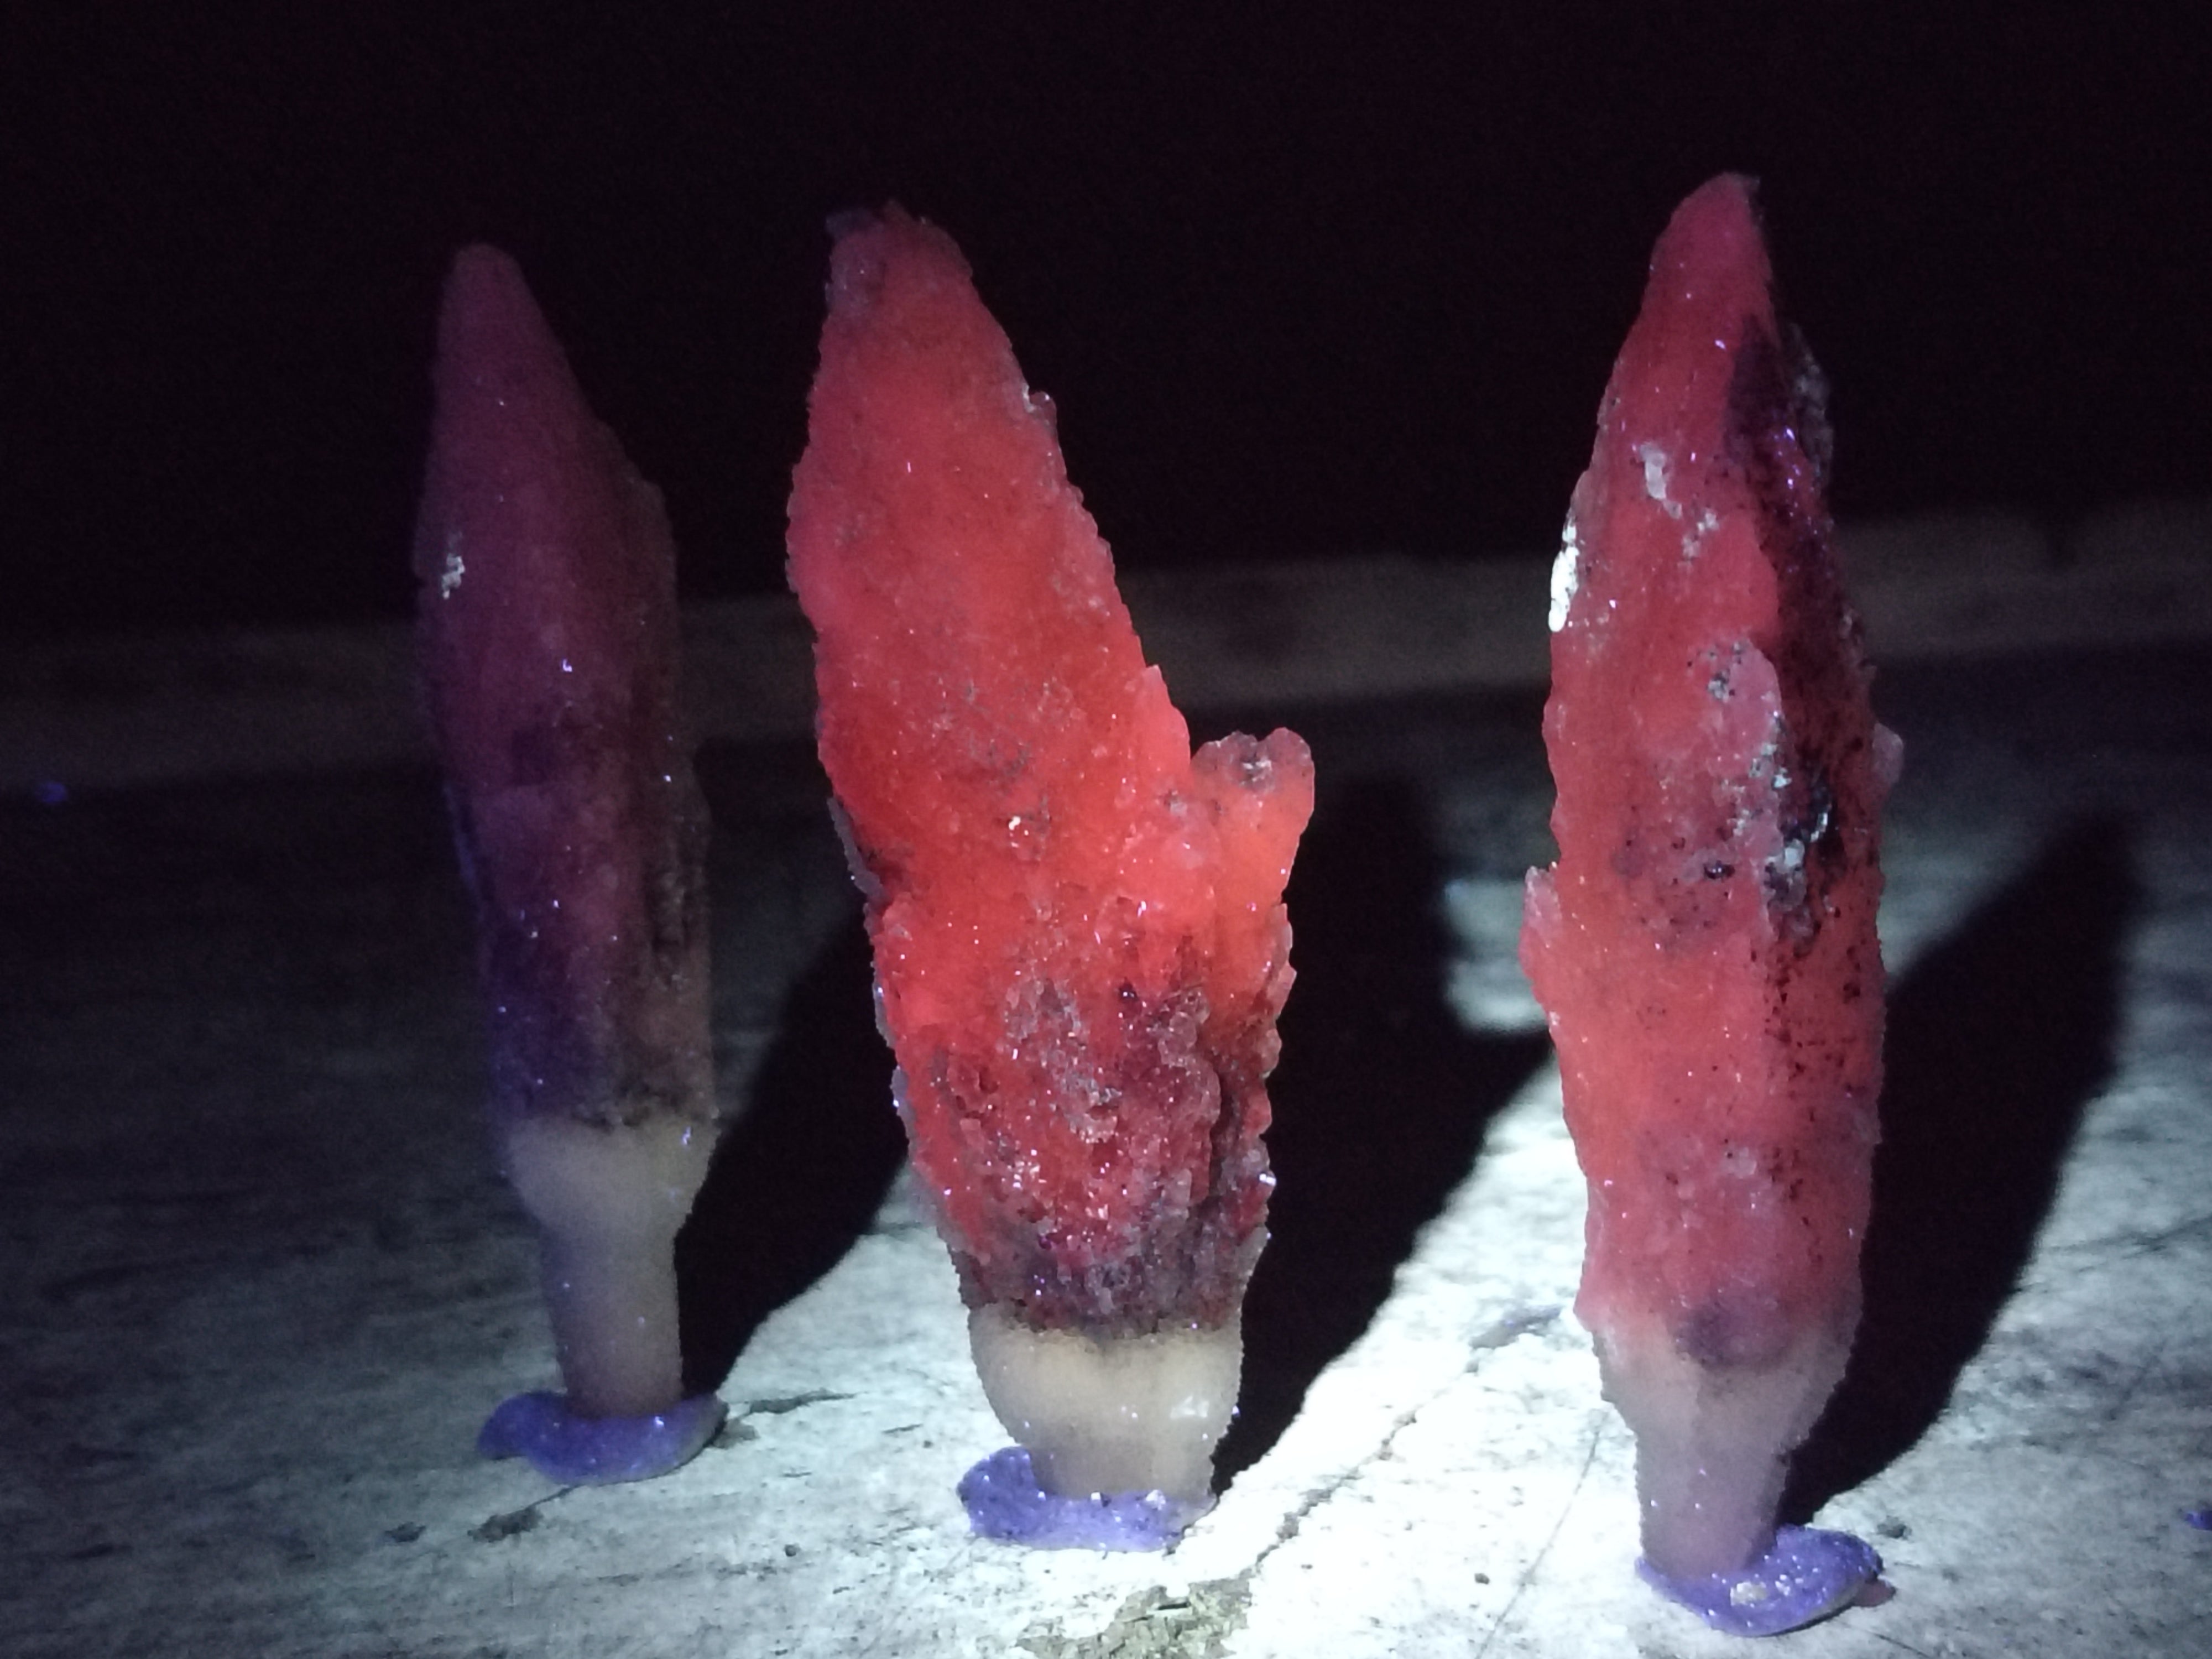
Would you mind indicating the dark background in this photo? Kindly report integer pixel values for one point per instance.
(1301, 282)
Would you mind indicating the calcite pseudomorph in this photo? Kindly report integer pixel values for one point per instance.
(1705, 947)
(1079, 938)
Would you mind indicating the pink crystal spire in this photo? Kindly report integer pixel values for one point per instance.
(1705, 946)
(1080, 942)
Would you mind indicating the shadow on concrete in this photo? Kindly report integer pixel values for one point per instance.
(1380, 1101)
(800, 1177)
(1998, 1039)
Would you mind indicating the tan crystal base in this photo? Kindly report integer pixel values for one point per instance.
(1124, 1414)
(608, 1202)
(1713, 1442)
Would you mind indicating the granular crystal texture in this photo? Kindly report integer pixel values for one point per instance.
(1705, 946)
(548, 630)
(1080, 942)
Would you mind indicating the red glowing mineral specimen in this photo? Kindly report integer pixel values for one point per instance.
(1080, 944)
(1706, 944)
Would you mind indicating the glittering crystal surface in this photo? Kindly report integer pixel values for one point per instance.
(548, 635)
(1704, 946)
(1080, 942)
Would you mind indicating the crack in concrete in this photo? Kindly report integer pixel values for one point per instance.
(1160, 1624)
(1536, 1562)
(512, 1523)
(1502, 1331)
(780, 1404)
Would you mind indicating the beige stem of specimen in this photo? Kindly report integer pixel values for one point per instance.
(1713, 1442)
(1121, 1414)
(608, 1202)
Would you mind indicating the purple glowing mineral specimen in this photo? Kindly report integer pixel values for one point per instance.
(548, 637)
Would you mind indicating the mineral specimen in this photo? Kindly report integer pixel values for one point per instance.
(1080, 944)
(1705, 946)
(548, 635)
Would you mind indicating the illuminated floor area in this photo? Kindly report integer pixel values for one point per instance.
(260, 1285)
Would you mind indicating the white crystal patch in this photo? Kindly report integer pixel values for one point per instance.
(1565, 577)
(1657, 472)
(450, 574)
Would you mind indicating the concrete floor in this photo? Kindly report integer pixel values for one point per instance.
(259, 1284)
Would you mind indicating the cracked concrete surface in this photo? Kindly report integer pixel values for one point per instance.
(261, 1284)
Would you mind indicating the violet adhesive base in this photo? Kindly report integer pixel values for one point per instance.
(598, 1451)
(1003, 1501)
(1807, 1575)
